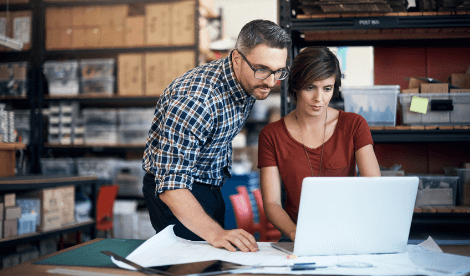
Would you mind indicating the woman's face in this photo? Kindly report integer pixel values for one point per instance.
(314, 100)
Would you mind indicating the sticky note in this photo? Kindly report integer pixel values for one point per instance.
(419, 105)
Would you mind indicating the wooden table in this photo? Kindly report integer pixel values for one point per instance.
(31, 269)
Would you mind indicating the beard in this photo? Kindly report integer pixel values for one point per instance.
(263, 96)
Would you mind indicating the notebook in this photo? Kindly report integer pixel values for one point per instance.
(353, 215)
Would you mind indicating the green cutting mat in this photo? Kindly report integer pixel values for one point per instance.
(90, 255)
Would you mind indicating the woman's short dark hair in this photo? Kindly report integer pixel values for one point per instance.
(310, 65)
(261, 31)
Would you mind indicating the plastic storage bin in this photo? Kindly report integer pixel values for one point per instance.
(136, 117)
(65, 87)
(58, 166)
(105, 135)
(104, 86)
(437, 190)
(61, 70)
(377, 104)
(99, 117)
(14, 70)
(443, 109)
(12, 87)
(103, 168)
(97, 68)
(129, 177)
(132, 135)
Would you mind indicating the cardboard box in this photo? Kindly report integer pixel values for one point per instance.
(67, 203)
(86, 38)
(157, 73)
(51, 213)
(415, 83)
(58, 18)
(8, 199)
(410, 91)
(10, 228)
(113, 16)
(158, 24)
(461, 80)
(112, 36)
(434, 88)
(86, 16)
(21, 23)
(130, 74)
(12, 213)
(134, 35)
(459, 90)
(182, 62)
(183, 23)
(59, 39)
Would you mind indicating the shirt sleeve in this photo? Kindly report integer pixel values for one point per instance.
(180, 134)
(266, 148)
(362, 135)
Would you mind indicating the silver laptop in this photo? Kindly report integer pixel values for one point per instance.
(353, 215)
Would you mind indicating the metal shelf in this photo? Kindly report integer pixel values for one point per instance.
(37, 182)
(110, 100)
(44, 235)
(420, 136)
(96, 148)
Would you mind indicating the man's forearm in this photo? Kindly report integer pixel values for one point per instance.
(190, 213)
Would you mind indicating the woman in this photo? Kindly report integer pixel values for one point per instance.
(313, 140)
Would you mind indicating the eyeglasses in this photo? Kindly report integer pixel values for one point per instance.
(262, 74)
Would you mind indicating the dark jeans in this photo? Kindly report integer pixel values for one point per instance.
(210, 198)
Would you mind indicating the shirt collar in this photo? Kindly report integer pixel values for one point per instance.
(233, 84)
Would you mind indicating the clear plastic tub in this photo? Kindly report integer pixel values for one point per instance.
(132, 135)
(22, 118)
(437, 190)
(136, 117)
(103, 168)
(58, 166)
(14, 70)
(100, 117)
(12, 87)
(129, 177)
(61, 70)
(103, 86)
(65, 87)
(377, 104)
(97, 68)
(443, 109)
(105, 135)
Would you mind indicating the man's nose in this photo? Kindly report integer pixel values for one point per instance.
(270, 81)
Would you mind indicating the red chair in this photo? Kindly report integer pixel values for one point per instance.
(104, 208)
(267, 231)
(243, 213)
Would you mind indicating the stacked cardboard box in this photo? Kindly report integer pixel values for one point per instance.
(9, 215)
(111, 26)
(16, 25)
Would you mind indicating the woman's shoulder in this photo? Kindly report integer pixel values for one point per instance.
(350, 119)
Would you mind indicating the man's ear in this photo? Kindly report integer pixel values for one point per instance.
(235, 57)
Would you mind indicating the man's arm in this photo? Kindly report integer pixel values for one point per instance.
(187, 209)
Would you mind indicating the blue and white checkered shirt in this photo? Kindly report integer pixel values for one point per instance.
(195, 121)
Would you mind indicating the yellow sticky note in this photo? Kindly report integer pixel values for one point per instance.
(419, 105)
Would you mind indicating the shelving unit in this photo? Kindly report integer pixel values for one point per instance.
(391, 29)
(38, 99)
(17, 184)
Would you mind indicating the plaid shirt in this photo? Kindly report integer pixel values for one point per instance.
(195, 121)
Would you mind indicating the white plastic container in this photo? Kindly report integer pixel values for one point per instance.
(437, 190)
(104, 135)
(443, 109)
(377, 104)
(132, 135)
(96, 117)
(58, 166)
(136, 117)
(61, 70)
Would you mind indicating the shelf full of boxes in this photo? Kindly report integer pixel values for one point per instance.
(36, 210)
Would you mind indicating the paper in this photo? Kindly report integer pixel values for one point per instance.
(165, 248)
(419, 105)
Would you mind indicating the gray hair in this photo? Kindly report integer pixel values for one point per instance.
(261, 31)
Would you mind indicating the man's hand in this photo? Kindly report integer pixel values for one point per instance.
(229, 239)
(187, 209)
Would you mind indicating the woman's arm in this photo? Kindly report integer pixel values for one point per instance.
(271, 191)
(367, 161)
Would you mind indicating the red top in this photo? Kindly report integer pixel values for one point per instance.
(278, 148)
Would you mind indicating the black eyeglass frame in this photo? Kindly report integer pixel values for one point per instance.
(266, 70)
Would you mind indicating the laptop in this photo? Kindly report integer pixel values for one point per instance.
(353, 215)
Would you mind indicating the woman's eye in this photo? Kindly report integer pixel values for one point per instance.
(310, 88)
(328, 89)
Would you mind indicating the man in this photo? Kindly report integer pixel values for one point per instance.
(189, 149)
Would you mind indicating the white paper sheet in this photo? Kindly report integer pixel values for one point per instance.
(165, 248)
